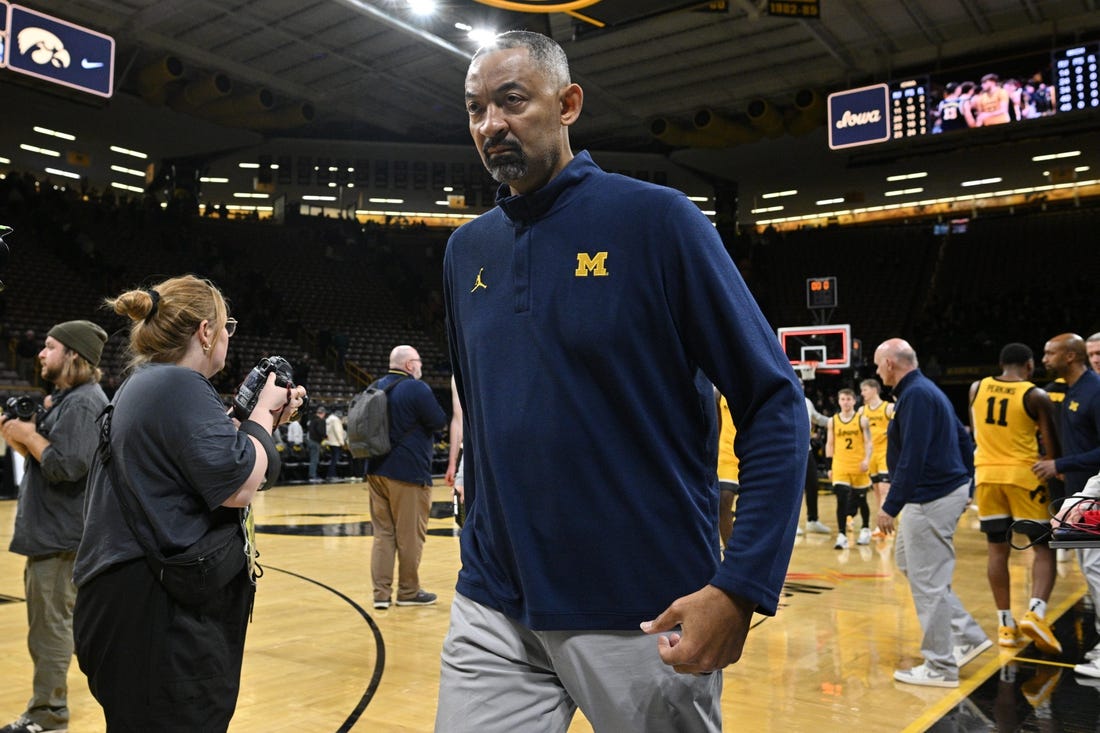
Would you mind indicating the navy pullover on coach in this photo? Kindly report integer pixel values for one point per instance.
(415, 416)
(1080, 432)
(928, 451)
(580, 318)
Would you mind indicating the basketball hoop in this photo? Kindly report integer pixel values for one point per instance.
(806, 370)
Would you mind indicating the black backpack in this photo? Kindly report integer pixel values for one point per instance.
(369, 421)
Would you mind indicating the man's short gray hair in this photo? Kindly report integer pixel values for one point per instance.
(544, 51)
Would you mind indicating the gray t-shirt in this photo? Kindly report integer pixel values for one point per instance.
(182, 457)
(49, 518)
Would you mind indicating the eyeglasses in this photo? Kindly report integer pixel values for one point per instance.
(230, 326)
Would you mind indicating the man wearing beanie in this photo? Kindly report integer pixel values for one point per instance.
(58, 445)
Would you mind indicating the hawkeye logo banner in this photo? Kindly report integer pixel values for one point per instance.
(58, 51)
(596, 265)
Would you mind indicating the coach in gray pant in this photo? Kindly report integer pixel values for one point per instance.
(931, 462)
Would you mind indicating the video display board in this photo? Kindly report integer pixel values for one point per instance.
(1011, 91)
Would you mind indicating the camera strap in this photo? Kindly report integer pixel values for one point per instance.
(274, 460)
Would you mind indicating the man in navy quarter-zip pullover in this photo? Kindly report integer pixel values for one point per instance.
(931, 461)
(589, 315)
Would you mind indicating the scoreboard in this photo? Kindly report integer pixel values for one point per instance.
(909, 108)
(1028, 86)
(1075, 82)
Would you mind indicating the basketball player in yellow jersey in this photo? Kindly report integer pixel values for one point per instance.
(849, 446)
(728, 464)
(1005, 413)
(878, 413)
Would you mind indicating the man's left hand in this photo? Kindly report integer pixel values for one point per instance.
(884, 522)
(713, 625)
(15, 430)
(1045, 469)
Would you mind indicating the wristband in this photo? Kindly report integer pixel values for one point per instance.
(274, 460)
(828, 463)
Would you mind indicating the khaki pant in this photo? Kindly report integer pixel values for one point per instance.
(50, 594)
(399, 515)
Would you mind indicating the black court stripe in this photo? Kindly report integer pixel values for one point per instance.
(380, 658)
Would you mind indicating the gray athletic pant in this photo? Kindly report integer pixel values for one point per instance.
(499, 676)
(925, 553)
(1090, 568)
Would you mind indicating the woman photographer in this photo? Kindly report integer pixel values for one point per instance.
(174, 479)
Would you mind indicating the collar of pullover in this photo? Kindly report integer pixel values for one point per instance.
(531, 206)
(905, 382)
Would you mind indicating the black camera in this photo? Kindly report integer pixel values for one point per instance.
(249, 392)
(23, 408)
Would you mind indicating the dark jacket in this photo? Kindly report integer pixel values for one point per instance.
(928, 450)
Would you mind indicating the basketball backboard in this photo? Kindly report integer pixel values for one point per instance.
(830, 347)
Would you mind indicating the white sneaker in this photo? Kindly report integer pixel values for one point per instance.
(1093, 654)
(921, 675)
(841, 542)
(864, 536)
(798, 532)
(966, 653)
(1089, 669)
(816, 527)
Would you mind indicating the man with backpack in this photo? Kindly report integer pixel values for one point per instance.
(400, 481)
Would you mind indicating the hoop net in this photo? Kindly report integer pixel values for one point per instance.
(806, 370)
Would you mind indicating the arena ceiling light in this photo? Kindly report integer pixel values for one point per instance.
(5, 161)
(766, 210)
(480, 36)
(826, 202)
(318, 198)
(422, 7)
(127, 187)
(386, 201)
(967, 198)
(53, 133)
(778, 194)
(1055, 156)
(249, 165)
(213, 179)
(906, 176)
(903, 191)
(128, 151)
(981, 182)
(63, 174)
(40, 151)
(246, 195)
(128, 171)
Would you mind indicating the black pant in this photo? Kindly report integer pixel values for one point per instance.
(811, 487)
(848, 502)
(153, 664)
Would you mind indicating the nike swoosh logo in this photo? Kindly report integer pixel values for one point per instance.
(85, 63)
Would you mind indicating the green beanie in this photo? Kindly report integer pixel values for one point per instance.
(83, 337)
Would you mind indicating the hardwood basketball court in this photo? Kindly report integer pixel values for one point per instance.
(318, 657)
